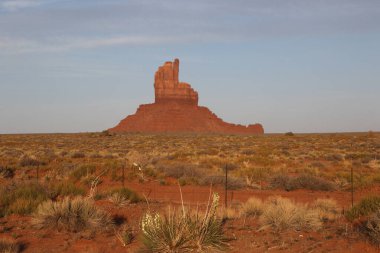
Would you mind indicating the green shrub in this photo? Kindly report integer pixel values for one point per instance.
(182, 181)
(182, 231)
(74, 215)
(366, 206)
(21, 198)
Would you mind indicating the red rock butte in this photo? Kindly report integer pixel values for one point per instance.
(176, 110)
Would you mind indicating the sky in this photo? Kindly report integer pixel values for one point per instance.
(291, 65)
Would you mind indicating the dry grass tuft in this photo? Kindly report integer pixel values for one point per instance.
(327, 209)
(229, 213)
(72, 215)
(254, 207)
(372, 228)
(9, 246)
(281, 213)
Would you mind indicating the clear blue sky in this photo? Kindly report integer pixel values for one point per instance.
(292, 65)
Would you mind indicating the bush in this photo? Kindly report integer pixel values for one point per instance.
(124, 195)
(334, 157)
(182, 231)
(9, 246)
(326, 208)
(125, 235)
(178, 170)
(82, 171)
(6, 172)
(65, 189)
(232, 183)
(78, 154)
(229, 213)
(21, 199)
(74, 215)
(311, 183)
(280, 181)
(371, 228)
(281, 213)
(301, 182)
(366, 206)
(253, 207)
(29, 161)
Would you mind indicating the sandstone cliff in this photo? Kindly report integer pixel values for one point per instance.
(176, 110)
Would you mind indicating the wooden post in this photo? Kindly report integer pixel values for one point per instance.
(226, 186)
(37, 173)
(123, 175)
(352, 185)
(352, 181)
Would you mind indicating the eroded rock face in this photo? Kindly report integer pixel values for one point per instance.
(168, 88)
(176, 110)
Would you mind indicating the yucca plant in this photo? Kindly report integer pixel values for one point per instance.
(207, 229)
(184, 230)
(166, 233)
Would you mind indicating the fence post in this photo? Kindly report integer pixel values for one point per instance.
(226, 186)
(37, 173)
(352, 185)
(123, 173)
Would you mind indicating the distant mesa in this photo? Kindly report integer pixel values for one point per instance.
(176, 110)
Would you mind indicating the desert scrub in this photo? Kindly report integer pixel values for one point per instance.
(233, 183)
(366, 206)
(125, 235)
(371, 227)
(183, 230)
(65, 189)
(254, 176)
(83, 171)
(123, 196)
(9, 246)
(309, 182)
(74, 215)
(78, 154)
(229, 213)
(282, 213)
(6, 172)
(254, 207)
(21, 198)
(327, 209)
(178, 170)
(30, 161)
